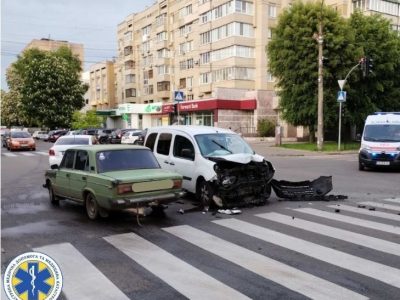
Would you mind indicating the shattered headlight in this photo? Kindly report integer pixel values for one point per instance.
(226, 181)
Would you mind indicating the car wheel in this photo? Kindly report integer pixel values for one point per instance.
(360, 166)
(267, 191)
(52, 197)
(204, 193)
(92, 208)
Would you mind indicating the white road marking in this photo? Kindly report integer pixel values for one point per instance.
(180, 275)
(350, 220)
(289, 277)
(394, 200)
(367, 212)
(382, 205)
(386, 274)
(27, 154)
(81, 279)
(42, 153)
(9, 154)
(348, 236)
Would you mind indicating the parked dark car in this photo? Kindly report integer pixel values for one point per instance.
(54, 135)
(116, 135)
(4, 138)
(102, 135)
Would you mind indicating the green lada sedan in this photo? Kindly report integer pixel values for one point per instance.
(112, 177)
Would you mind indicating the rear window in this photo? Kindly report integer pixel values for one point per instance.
(127, 159)
(73, 141)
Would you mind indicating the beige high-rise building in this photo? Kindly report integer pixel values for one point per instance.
(52, 45)
(211, 50)
(102, 86)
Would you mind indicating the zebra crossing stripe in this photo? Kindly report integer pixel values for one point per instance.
(287, 276)
(382, 205)
(27, 154)
(81, 279)
(394, 200)
(9, 154)
(386, 274)
(364, 211)
(350, 220)
(180, 275)
(348, 236)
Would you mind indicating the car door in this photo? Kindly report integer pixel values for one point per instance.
(79, 175)
(182, 160)
(62, 185)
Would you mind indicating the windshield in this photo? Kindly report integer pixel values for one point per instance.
(219, 144)
(129, 159)
(382, 133)
(21, 134)
(73, 141)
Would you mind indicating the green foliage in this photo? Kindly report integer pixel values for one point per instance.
(293, 60)
(266, 127)
(380, 90)
(88, 120)
(48, 86)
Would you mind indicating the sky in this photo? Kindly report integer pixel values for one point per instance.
(92, 23)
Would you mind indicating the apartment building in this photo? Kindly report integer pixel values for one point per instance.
(212, 50)
(52, 45)
(102, 86)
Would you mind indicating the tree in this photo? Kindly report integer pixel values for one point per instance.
(88, 120)
(380, 89)
(49, 86)
(293, 61)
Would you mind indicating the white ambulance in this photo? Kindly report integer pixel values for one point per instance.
(380, 142)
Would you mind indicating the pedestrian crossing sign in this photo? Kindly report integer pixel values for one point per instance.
(179, 96)
(341, 96)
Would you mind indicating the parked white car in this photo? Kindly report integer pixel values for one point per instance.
(216, 164)
(130, 137)
(65, 142)
(40, 135)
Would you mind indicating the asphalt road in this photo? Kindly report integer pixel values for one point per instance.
(266, 252)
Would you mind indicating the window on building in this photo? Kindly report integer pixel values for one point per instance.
(182, 83)
(130, 93)
(272, 10)
(130, 64)
(128, 50)
(189, 82)
(163, 86)
(130, 78)
(161, 36)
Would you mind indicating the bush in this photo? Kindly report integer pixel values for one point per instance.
(266, 127)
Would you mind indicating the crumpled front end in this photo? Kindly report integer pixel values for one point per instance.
(241, 184)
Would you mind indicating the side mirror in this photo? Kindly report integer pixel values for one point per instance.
(54, 167)
(187, 153)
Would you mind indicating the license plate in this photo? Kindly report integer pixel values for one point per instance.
(383, 163)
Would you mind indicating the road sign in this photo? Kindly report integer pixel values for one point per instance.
(179, 96)
(341, 83)
(341, 96)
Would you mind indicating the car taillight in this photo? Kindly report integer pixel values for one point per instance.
(51, 152)
(119, 136)
(177, 184)
(124, 188)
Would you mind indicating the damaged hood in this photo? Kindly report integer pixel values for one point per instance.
(241, 158)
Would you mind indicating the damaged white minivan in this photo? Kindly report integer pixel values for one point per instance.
(217, 165)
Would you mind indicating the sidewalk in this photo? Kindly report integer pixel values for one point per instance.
(267, 147)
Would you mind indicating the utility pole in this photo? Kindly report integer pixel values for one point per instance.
(320, 127)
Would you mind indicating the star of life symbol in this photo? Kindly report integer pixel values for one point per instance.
(33, 276)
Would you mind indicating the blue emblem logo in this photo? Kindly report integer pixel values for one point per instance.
(33, 276)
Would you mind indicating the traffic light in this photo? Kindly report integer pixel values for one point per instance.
(368, 66)
(363, 66)
(343, 110)
(176, 108)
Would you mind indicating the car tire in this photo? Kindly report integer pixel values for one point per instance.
(204, 193)
(91, 206)
(52, 197)
(360, 166)
(267, 191)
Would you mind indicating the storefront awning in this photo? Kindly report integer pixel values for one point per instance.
(107, 112)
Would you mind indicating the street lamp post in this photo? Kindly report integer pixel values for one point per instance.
(320, 125)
